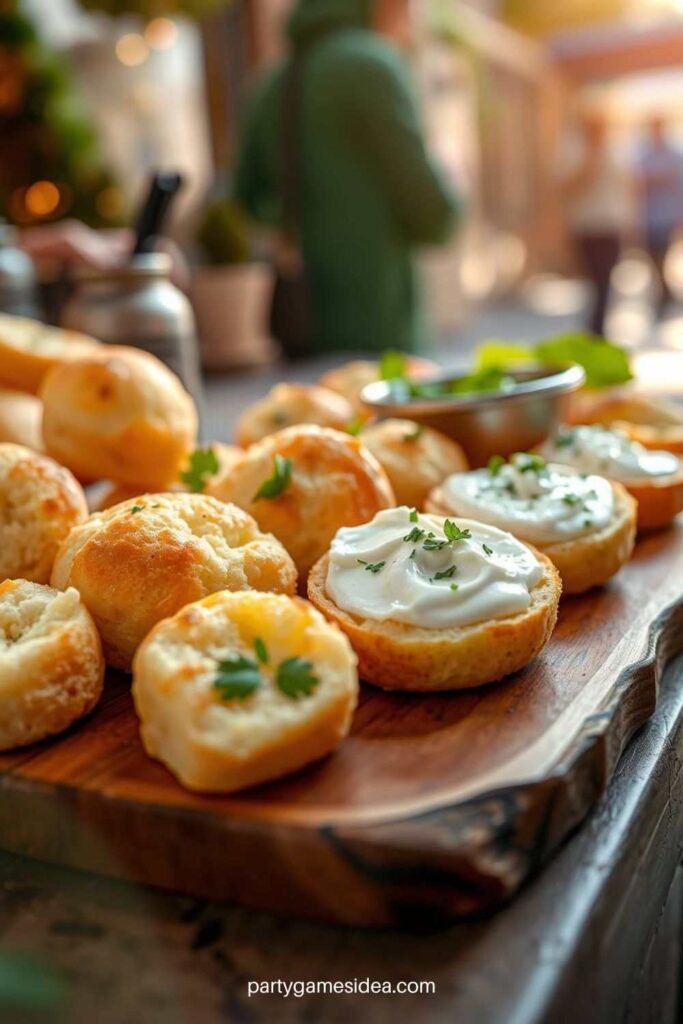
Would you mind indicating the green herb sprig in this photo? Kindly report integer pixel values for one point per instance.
(203, 463)
(278, 482)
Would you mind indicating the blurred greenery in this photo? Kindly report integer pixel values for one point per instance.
(222, 233)
(605, 364)
(156, 8)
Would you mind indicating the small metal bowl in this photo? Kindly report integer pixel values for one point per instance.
(491, 422)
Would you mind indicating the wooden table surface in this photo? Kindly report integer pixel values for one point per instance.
(594, 939)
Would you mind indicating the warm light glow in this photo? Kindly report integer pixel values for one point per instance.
(633, 276)
(553, 295)
(109, 203)
(659, 371)
(629, 323)
(132, 50)
(161, 33)
(42, 198)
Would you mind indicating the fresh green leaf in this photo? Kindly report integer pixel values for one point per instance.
(261, 650)
(454, 586)
(372, 566)
(528, 462)
(432, 544)
(237, 677)
(487, 550)
(392, 365)
(354, 426)
(278, 482)
(490, 379)
(454, 533)
(496, 463)
(498, 355)
(446, 574)
(136, 508)
(295, 678)
(605, 364)
(413, 515)
(202, 464)
(415, 535)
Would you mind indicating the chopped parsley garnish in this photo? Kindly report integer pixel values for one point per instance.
(295, 678)
(487, 550)
(354, 426)
(446, 574)
(527, 462)
(372, 566)
(432, 544)
(414, 536)
(136, 508)
(496, 463)
(454, 533)
(571, 499)
(565, 439)
(202, 464)
(261, 650)
(413, 515)
(392, 365)
(412, 553)
(415, 434)
(587, 522)
(237, 677)
(454, 586)
(278, 482)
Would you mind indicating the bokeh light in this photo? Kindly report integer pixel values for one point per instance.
(161, 33)
(41, 198)
(131, 49)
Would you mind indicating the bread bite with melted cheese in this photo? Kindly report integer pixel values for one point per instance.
(242, 688)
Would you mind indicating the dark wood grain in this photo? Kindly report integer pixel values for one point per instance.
(435, 807)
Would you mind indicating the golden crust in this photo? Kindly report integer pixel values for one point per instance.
(350, 378)
(51, 665)
(20, 419)
(29, 349)
(396, 656)
(289, 404)
(113, 494)
(660, 499)
(652, 421)
(335, 482)
(142, 560)
(40, 502)
(588, 561)
(118, 414)
(217, 745)
(415, 458)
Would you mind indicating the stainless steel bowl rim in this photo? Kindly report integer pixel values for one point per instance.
(552, 381)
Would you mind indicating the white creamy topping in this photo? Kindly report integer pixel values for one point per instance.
(404, 567)
(612, 453)
(544, 504)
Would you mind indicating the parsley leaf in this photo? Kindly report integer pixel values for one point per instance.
(413, 515)
(432, 544)
(295, 678)
(392, 365)
(415, 535)
(202, 464)
(237, 677)
(571, 499)
(528, 462)
(446, 574)
(372, 566)
(278, 482)
(496, 463)
(454, 533)
(487, 550)
(454, 586)
(136, 508)
(261, 650)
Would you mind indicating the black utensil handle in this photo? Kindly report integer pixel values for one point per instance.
(162, 190)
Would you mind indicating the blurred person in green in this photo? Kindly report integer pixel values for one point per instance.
(368, 192)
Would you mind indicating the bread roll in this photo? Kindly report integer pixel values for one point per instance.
(29, 349)
(242, 688)
(142, 560)
(289, 404)
(21, 418)
(120, 415)
(51, 665)
(39, 504)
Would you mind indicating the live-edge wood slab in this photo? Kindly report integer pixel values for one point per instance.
(434, 807)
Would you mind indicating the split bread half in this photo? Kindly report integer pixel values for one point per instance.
(51, 664)
(588, 560)
(242, 688)
(396, 656)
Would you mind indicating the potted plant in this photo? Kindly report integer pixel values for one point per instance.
(231, 292)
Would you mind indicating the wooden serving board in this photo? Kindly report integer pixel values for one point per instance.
(435, 807)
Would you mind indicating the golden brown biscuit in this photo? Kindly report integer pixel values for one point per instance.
(350, 378)
(21, 417)
(289, 404)
(29, 349)
(120, 415)
(51, 665)
(652, 421)
(39, 504)
(226, 456)
(239, 689)
(415, 458)
(142, 560)
(302, 484)
(399, 656)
